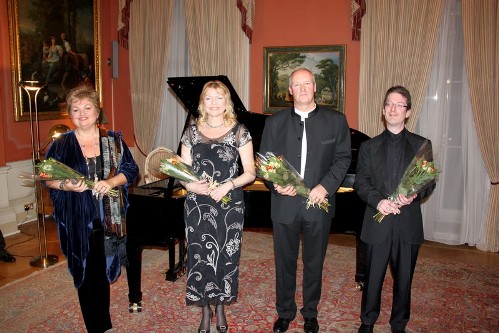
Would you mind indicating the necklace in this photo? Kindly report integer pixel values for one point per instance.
(91, 159)
(217, 126)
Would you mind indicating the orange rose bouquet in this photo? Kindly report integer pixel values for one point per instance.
(277, 170)
(418, 176)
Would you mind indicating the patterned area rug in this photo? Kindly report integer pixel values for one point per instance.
(447, 297)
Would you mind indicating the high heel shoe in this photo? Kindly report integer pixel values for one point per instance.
(210, 316)
(221, 328)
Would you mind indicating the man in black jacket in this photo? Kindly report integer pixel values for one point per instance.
(316, 141)
(397, 238)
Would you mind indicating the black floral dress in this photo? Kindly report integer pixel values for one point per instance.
(214, 230)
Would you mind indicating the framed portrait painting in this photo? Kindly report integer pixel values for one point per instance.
(326, 62)
(55, 44)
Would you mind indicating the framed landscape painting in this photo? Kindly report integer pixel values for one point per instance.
(326, 62)
(56, 44)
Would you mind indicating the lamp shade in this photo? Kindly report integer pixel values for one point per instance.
(56, 130)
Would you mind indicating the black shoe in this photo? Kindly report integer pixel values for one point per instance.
(222, 326)
(311, 325)
(204, 326)
(397, 331)
(223, 329)
(281, 325)
(366, 328)
(7, 257)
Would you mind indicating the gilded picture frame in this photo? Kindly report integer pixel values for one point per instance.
(327, 62)
(56, 43)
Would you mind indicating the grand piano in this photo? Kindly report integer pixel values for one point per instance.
(155, 215)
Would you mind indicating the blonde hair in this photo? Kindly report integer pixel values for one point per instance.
(82, 92)
(229, 117)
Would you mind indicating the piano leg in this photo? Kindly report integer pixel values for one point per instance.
(134, 271)
(175, 270)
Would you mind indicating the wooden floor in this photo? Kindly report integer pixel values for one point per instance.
(25, 246)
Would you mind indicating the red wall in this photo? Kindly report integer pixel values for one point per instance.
(301, 23)
(277, 23)
(15, 139)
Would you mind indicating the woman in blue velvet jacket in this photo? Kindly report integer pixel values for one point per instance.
(91, 225)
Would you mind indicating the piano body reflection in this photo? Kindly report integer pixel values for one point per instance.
(155, 215)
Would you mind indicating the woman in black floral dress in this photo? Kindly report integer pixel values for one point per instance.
(214, 229)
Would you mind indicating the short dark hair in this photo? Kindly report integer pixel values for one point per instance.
(402, 91)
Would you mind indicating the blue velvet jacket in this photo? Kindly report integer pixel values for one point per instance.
(74, 212)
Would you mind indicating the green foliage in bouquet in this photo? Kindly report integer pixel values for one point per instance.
(174, 167)
(277, 170)
(51, 169)
(418, 176)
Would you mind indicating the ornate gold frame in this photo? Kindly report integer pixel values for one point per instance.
(327, 62)
(51, 102)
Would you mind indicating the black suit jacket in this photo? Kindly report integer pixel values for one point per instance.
(372, 185)
(328, 157)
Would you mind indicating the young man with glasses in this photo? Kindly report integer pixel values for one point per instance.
(397, 238)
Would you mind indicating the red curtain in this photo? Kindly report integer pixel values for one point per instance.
(247, 8)
(124, 17)
(358, 10)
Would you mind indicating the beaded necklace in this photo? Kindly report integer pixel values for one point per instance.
(217, 126)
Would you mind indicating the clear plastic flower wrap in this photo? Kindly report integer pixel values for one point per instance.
(174, 167)
(420, 174)
(277, 170)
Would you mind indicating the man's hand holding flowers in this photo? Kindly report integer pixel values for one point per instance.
(387, 207)
(420, 174)
(289, 190)
(287, 180)
(318, 195)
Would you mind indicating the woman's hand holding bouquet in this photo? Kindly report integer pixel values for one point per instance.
(51, 170)
(204, 185)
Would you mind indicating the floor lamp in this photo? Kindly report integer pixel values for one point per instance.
(32, 88)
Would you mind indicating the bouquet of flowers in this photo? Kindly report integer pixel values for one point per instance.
(418, 176)
(174, 167)
(277, 170)
(51, 169)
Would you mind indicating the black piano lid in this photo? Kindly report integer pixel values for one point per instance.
(188, 89)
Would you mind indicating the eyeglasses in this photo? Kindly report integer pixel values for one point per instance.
(398, 106)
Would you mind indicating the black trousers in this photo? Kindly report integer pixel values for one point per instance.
(402, 259)
(315, 236)
(94, 293)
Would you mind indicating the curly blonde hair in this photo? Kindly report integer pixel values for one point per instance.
(229, 117)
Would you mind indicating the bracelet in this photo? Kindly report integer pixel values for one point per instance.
(233, 185)
(61, 185)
